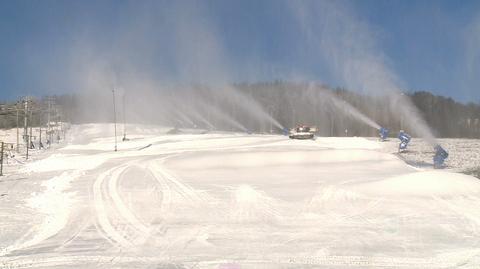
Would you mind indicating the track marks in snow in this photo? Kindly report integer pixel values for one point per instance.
(121, 207)
(102, 214)
(55, 204)
(176, 192)
(120, 226)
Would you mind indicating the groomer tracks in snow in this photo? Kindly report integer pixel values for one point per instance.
(226, 200)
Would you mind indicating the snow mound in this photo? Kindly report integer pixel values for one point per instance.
(429, 183)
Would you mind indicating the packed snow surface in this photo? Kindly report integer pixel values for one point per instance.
(233, 200)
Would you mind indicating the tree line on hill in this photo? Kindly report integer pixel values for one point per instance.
(290, 104)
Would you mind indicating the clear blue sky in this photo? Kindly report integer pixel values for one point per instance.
(427, 45)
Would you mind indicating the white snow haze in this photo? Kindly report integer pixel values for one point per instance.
(180, 138)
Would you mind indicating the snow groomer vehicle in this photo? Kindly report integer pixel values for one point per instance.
(302, 132)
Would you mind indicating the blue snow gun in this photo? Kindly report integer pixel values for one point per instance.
(439, 157)
(384, 133)
(404, 140)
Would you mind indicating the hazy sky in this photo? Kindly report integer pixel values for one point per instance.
(56, 46)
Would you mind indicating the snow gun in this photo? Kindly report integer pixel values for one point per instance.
(439, 157)
(384, 133)
(404, 140)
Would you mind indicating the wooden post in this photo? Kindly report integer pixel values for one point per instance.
(18, 144)
(1, 160)
(26, 156)
(114, 118)
(40, 127)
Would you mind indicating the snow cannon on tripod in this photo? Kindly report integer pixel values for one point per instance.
(404, 140)
(439, 157)
(384, 133)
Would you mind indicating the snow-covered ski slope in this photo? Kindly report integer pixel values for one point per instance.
(226, 200)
